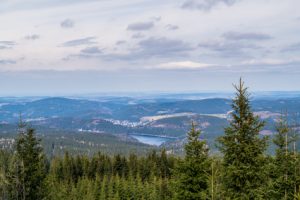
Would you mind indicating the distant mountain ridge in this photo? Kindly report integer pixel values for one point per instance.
(127, 115)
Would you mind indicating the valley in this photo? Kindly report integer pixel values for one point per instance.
(132, 124)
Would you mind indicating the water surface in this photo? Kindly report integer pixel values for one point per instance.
(152, 140)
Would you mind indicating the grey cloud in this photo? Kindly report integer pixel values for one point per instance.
(154, 47)
(157, 19)
(171, 27)
(137, 36)
(140, 26)
(220, 46)
(205, 4)
(91, 50)
(229, 49)
(69, 57)
(280, 66)
(120, 42)
(246, 36)
(146, 49)
(7, 61)
(16, 5)
(292, 48)
(76, 56)
(163, 46)
(32, 37)
(79, 42)
(67, 23)
(88, 52)
(4, 47)
(7, 44)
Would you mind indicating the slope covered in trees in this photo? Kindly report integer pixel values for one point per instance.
(243, 171)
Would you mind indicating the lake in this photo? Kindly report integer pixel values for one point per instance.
(149, 139)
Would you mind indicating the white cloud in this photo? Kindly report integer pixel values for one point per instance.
(223, 37)
(184, 65)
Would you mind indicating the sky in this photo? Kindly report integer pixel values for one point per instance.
(51, 47)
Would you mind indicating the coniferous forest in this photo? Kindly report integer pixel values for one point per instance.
(243, 170)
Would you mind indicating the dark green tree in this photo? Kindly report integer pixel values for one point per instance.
(192, 172)
(28, 169)
(164, 165)
(243, 150)
(285, 162)
(4, 161)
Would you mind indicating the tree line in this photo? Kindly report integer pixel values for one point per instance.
(243, 170)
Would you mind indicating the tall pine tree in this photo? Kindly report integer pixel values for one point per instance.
(28, 169)
(285, 181)
(243, 150)
(192, 172)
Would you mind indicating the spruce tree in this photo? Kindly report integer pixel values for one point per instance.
(4, 166)
(191, 173)
(103, 190)
(3, 184)
(243, 150)
(214, 178)
(28, 170)
(285, 163)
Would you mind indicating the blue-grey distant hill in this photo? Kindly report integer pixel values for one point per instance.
(167, 116)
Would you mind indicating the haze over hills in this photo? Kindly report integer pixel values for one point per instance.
(134, 121)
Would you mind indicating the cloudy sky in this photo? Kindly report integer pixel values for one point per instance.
(87, 46)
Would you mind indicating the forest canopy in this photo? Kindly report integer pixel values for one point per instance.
(243, 170)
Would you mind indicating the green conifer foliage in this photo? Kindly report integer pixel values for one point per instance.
(191, 174)
(285, 182)
(28, 168)
(243, 150)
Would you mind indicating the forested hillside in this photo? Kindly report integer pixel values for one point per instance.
(243, 169)
(89, 124)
